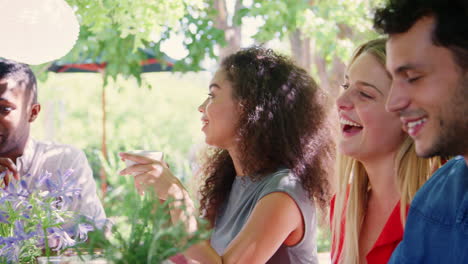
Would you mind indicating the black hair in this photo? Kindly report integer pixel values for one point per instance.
(451, 22)
(20, 72)
(282, 124)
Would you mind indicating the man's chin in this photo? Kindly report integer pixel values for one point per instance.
(442, 148)
(4, 150)
(425, 149)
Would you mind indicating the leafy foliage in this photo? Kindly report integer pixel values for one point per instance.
(164, 118)
(143, 232)
(201, 36)
(334, 24)
(113, 30)
(343, 25)
(280, 17)
(34, 218)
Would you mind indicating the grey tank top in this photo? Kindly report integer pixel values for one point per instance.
(243, 197)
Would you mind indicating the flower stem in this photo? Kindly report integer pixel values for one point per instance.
(46, 241)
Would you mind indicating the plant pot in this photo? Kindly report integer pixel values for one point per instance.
(77, 260)
(70, 260)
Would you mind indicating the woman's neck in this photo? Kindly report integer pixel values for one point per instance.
(236, 161)
(383, 179)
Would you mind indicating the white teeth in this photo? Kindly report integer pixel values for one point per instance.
(415, 123)
(347, 122)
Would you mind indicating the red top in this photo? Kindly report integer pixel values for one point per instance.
(391, 235)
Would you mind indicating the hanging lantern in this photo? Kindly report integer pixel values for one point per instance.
(37, 31)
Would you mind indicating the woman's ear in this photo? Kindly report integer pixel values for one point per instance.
(35, 109)
(241, 106)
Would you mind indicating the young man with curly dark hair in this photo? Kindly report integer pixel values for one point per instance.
(428, 60)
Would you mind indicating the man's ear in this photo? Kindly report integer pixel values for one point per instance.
(35, 109)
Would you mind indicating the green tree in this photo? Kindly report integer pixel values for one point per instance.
(113, 30)
(321, 33)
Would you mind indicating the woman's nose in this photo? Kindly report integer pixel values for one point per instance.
(201, 108)
(343, 102)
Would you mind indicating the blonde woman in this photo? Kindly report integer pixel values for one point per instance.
(378, 169)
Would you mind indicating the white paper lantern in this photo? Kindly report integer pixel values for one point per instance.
(36, 31)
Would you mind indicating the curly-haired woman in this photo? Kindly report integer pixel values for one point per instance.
(266, 121)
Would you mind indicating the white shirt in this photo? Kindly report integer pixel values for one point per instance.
(40, 157)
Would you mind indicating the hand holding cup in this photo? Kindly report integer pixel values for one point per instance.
(150, 171)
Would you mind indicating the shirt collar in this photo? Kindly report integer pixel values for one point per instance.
(24, 162)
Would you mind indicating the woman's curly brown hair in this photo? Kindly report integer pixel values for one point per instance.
(282, 123)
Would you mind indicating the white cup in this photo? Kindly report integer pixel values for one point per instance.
(155, 155)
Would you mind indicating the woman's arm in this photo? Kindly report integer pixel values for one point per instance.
(274, 218)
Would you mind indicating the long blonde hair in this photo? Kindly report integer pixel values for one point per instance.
(353, 182)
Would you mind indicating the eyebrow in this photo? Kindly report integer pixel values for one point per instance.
(406, 67)
(214, 85)
(366, 84)
(370, 85)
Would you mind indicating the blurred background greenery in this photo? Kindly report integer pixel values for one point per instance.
(163, 118)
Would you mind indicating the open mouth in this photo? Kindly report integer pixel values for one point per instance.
(204, 123)
(350, 128)
(414, 126)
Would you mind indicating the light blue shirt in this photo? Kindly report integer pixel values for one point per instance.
(40, 157)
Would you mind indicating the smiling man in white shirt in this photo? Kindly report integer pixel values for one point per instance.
(21, 156)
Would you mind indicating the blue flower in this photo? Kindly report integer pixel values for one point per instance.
(63, 188)
(82, 230)
(10, 247)
(59, 239)
(10, 250)
(26, 210)
(4, 217)
(41, 179)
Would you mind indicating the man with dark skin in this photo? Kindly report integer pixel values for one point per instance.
(427, 56)
(21, 155)
(18, 108)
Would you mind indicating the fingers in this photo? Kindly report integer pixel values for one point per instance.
(145, 175)
(154, 168)
(136, 158)
(144, 181)
(4, 177)
(148, 173)
(139, 187)
(8, 164)
(8, 169)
